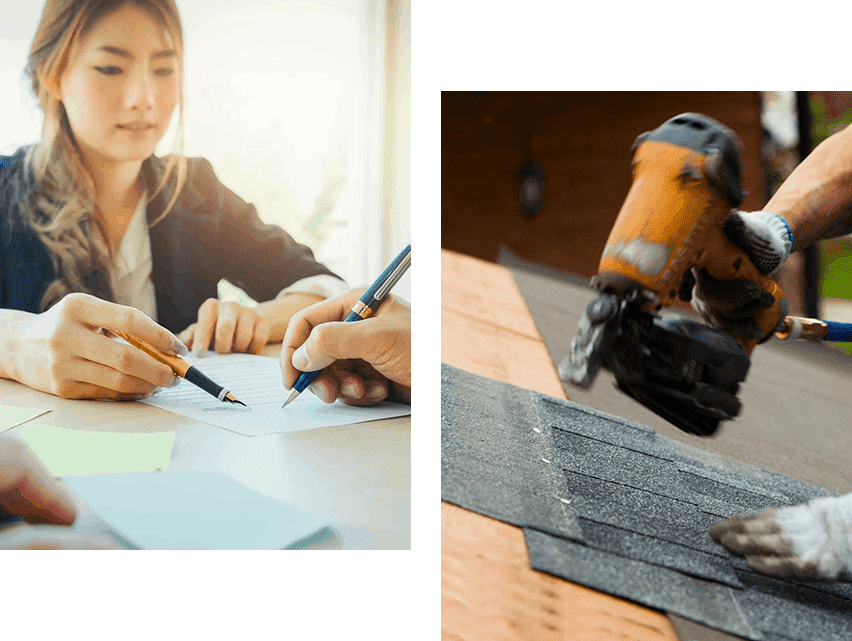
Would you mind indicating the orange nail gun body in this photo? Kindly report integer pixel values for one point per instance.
(686, 180)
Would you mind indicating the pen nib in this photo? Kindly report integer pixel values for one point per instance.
(233, 399)
(293, 394)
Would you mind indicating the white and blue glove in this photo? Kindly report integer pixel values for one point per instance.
(808, 542)
(764, 236)
(733, 305)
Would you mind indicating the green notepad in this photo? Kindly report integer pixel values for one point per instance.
(187, 510)
(66, 451)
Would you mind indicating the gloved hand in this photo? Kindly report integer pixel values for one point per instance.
(732, 305)
(808, 542)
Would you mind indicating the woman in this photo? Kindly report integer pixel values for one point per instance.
(99, 234)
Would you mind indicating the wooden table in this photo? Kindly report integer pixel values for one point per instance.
(360, 474)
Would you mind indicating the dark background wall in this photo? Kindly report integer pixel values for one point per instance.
(583, 141)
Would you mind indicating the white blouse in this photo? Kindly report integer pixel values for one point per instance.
(133, 281)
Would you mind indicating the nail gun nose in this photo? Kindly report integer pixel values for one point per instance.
(625, 288)
(601, 309)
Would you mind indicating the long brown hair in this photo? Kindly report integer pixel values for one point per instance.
(60, 207)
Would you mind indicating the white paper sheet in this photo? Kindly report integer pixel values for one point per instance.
(256, 381)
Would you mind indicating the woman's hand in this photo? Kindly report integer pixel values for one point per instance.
(365, 362)
(226, 327)
(64, 351)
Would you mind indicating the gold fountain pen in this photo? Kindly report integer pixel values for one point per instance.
(182, 369)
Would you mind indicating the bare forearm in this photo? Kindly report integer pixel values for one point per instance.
(816, 200)
(11, 322)
(280, 311)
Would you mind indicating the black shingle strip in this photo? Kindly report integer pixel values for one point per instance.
(642, 525)
(599, 445)
(643, 512)
(655, 551)
(710, 484)
(585, 420)
(493, 492)
(794, 611)
(599, 426)
(491, 455)
(781, 489)
(707, 602)
(575, 418)
(577, 454)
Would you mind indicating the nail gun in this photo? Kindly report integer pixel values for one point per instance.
(686, 180)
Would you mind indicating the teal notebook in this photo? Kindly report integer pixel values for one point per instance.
(194, 511)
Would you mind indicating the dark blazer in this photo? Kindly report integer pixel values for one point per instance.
(209, 234)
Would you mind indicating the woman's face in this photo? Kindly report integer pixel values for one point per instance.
(121, 88)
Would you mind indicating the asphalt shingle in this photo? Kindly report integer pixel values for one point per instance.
(491, 455)
(609, 504)
(658, 587)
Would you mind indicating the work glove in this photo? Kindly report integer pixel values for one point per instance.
(808, 542)
(733, 305)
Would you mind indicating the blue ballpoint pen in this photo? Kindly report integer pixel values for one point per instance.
(8, 519)
(364, 308)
